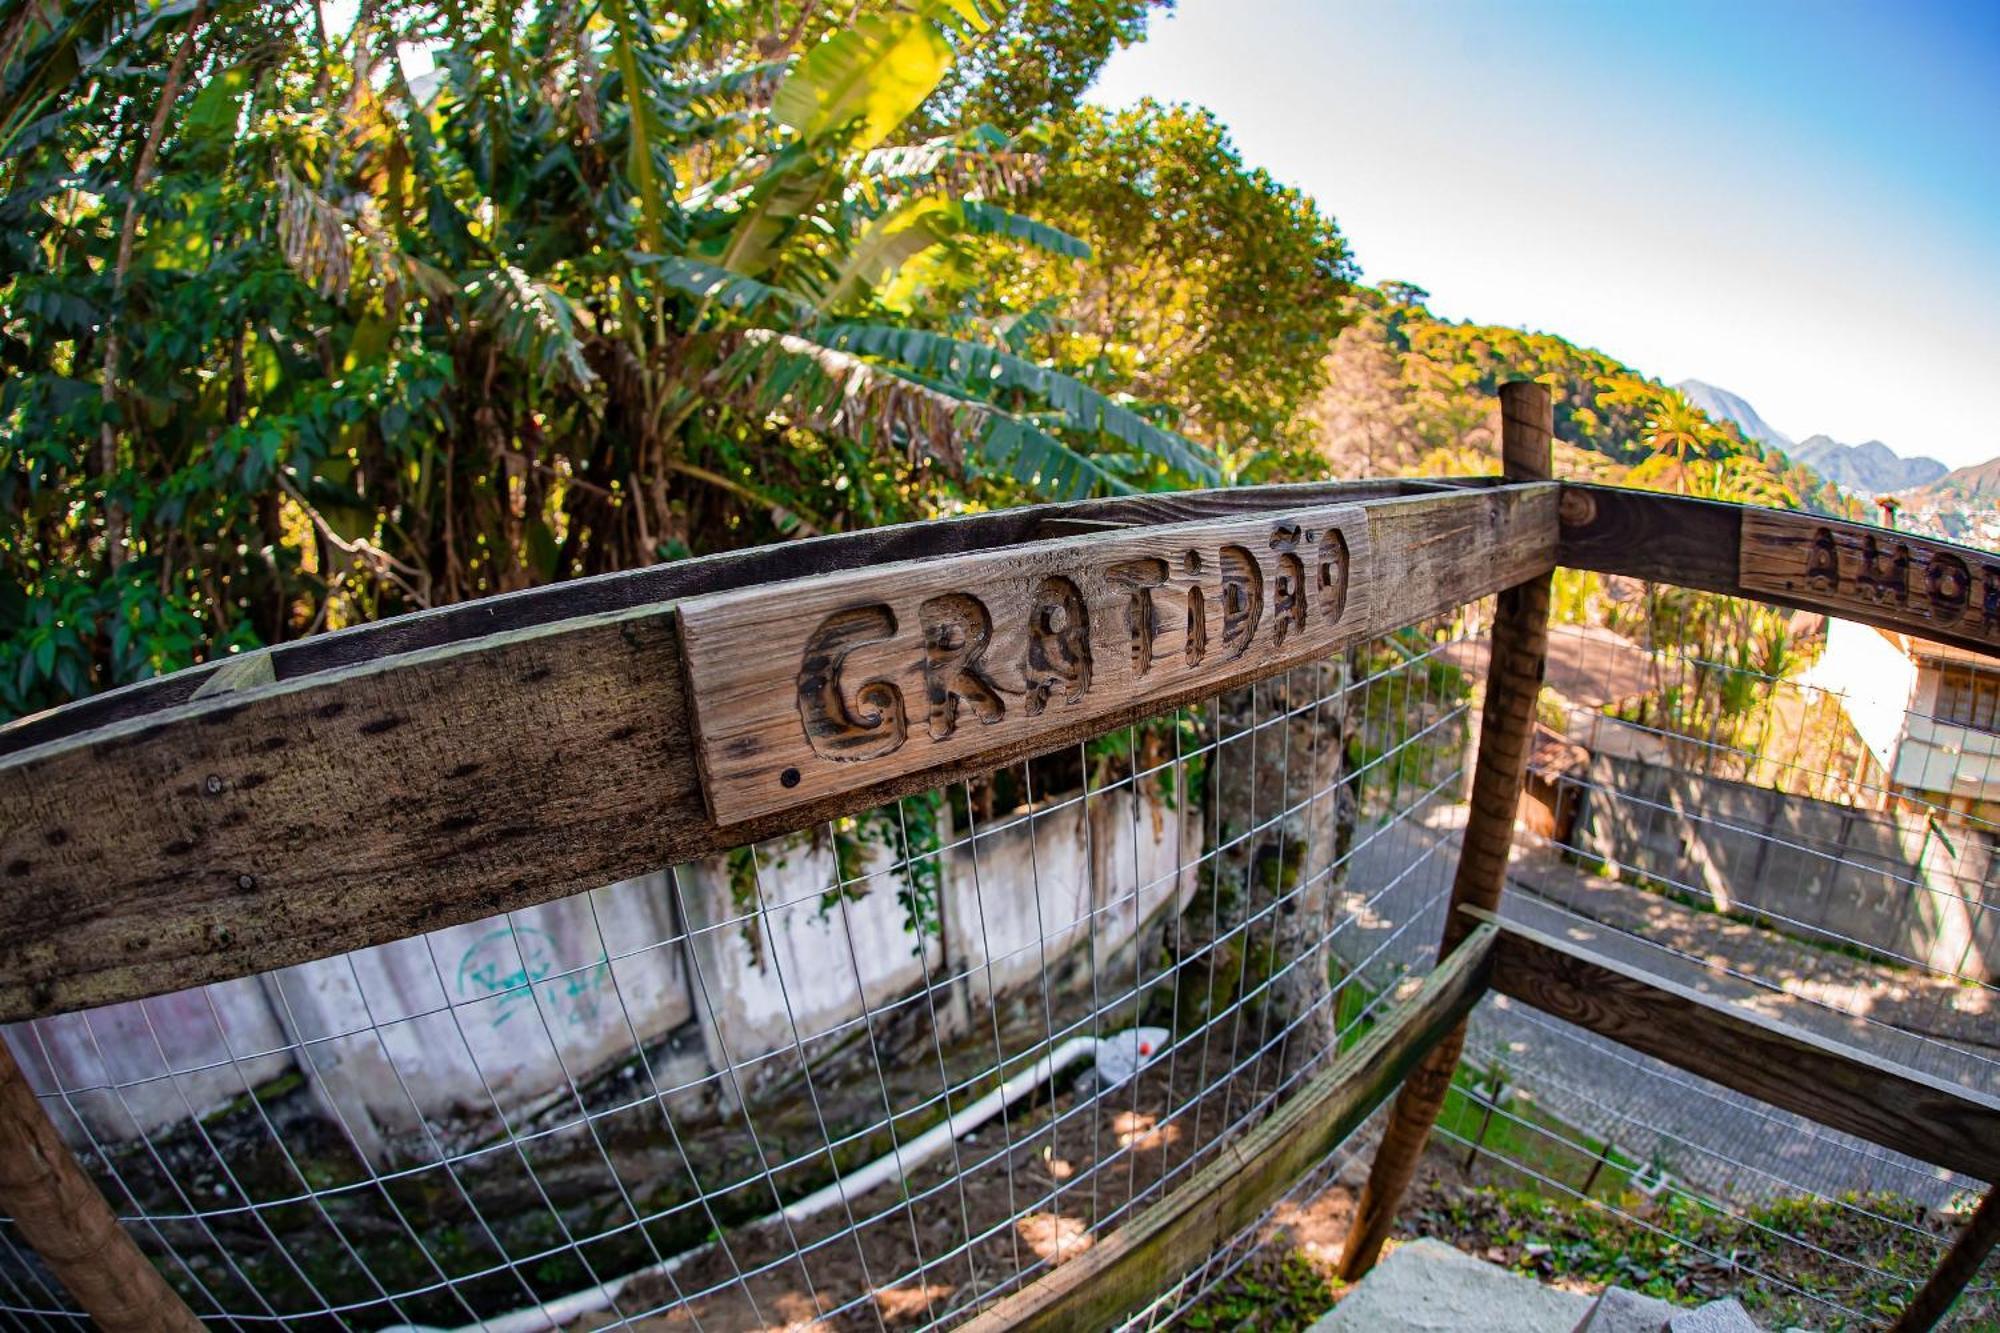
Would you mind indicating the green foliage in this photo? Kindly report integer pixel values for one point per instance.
(1211, 289)
(614, 284)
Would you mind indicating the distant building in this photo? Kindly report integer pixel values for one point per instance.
(1928, 713)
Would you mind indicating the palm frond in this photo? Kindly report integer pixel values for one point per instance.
(987, 368)
(712, 282)
(534, 322)
(833, 391)
(991, 220)
(888, 243)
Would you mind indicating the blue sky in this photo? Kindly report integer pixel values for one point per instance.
(1799, 202)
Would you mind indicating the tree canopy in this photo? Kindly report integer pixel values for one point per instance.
(300, 333)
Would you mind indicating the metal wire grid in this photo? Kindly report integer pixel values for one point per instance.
(1700, 1144)
(1875, 979)
(1591, 1102)
(686, 1159)
(1851, 935)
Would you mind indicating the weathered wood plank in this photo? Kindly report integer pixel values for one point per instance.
(1783, 557)
(332, 811)
(1932, 587)
(1647, 535)
(1172, 1237)
(801, 692)
(1506, 729)
(1837, 1085)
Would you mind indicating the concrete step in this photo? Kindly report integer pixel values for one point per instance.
(1427, 1286)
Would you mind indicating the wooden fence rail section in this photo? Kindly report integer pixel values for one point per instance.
(1831, 1083)
(633, 589)
(293, 820)
(1893, 580)
(801, 692)
(1175, 1235)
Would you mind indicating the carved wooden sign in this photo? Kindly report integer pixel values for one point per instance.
(1924, 586)
(803, 689)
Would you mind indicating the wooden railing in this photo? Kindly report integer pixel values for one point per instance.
(367, 786)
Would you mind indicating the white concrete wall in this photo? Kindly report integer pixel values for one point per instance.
(133, 1069)
(1874, 680)
(1045, 872)
(431, 1033)
(442, 1035)
(1942, 756)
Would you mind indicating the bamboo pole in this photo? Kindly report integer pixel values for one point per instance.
(58, 1210)
(1507, 725)
(1955, 1270)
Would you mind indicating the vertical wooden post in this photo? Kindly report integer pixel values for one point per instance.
(1955, 1270)
(1507, 725)
(59, 1211)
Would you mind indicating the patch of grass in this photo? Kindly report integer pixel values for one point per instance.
(1279, 1290)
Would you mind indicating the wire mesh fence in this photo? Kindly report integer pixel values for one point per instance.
(888, 1069)
(874, 1074)
(1755, 834)
(1734, 829)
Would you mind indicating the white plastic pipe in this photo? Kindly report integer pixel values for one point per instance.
(1118, 1056)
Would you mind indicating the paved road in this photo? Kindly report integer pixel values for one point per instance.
(1398, 882)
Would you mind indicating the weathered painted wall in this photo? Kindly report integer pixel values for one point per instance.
(444, 1035)
(1814, 868)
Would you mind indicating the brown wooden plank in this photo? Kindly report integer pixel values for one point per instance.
(1647, 535)
(1172, 1237)
(1843, 1087)
(59, 1212)
(633, 589)
(1932, 587)
(299, 819)
(802, 691)
(1769, 555)
(1507, 724)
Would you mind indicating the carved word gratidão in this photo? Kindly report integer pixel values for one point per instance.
(1167, 615)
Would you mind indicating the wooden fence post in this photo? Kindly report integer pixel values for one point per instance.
(60, 1213)
(1955, 1270)
(1513, 684)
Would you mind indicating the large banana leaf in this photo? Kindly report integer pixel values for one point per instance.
(867, 79)
(888, 243)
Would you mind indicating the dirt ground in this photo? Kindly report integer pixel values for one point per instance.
(1031, 1191)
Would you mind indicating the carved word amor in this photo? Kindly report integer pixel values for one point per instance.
(1928, 584)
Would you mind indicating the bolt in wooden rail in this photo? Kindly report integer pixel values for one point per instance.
(59, 1211)
(1513, 683)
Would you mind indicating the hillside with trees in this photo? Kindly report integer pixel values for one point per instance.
(1410, 393)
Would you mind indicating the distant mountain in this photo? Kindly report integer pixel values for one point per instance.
(1962, 505)
(1978, 484)
(1726, 406)
(1866, 469)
